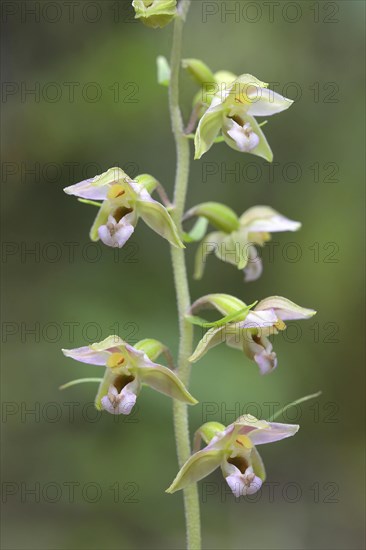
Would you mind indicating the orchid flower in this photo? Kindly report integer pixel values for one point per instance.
(128, 368)
(124, 202)
(237, 238)
(234, 450)
(246, 329)
(232, 105)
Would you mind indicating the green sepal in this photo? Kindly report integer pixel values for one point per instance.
(152, 348)
(148, 182)
(101, 219)
(198, 466)
(219, 215)
(208, 431)
(156, 216)
(198, 70)
(224, 303)
(197, 232)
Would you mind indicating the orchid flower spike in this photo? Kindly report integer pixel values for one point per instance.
(236, 239)
(245, 328)
(155, 13)
(234, 450)
(232, 103)
(127, 369)
(124, 202)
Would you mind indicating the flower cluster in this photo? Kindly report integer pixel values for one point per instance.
(224, 109)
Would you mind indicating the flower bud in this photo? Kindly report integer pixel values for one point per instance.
(155, 13)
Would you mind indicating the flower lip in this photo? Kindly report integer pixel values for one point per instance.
(122, 380)
(240, 462)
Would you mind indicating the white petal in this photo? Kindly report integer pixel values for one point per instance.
(265, 102)
(268, 221)
(254, 267)
(244, 137)
(115, 234)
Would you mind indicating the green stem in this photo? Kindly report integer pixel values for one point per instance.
(181, 425)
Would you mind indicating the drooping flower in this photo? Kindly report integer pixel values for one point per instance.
(247, 330)
(128, 368)
(237, 238)
(232, 109)
(124, 202)
(155, 13)
(234, 450)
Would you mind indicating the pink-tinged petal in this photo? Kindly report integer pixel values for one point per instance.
(259, 319)
(120, 403)
(198, 466)
(88, 190)
(273, 432)
(115, 234)
(259, 349)
(265, 102)
(285, 309)
(266, 361)
(254, 267)
(242, 484)
(87, 355)
(247, 423)
(97, 188)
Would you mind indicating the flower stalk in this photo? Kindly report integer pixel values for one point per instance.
(181, 424)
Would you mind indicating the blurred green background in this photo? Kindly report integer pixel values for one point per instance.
(98, 482)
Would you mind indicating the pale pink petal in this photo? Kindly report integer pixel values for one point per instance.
(115, 234)
(243, 484)
(274, 432)
(87, 355)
